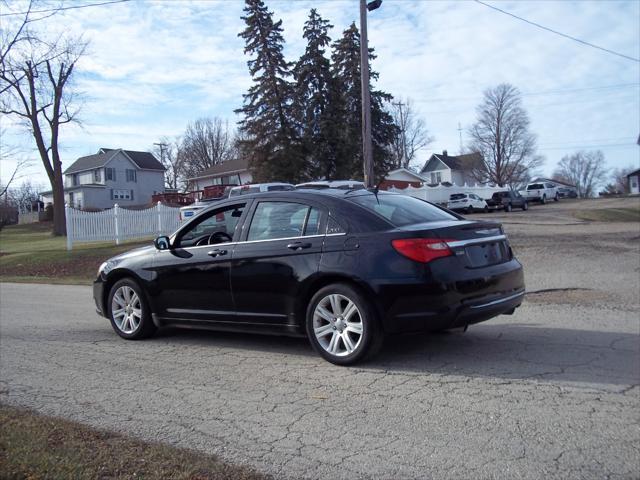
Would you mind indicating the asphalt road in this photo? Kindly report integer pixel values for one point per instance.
(550, 392)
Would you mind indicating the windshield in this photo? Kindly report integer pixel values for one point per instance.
(402, 210)
(457, 196)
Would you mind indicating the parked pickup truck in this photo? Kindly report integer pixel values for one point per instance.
(540, 192)
(507, 200)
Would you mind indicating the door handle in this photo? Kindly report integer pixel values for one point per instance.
(216, 252)
(298, 245)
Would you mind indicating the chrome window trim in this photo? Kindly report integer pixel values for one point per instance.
(229, 244)
(464, 243)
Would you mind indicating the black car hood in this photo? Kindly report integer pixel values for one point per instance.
(136, 252)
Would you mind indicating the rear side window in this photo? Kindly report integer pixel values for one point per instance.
(273, 220)
(457, 196)
(402, 210)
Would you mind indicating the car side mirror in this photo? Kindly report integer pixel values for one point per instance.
(236, 213)
(162, 243)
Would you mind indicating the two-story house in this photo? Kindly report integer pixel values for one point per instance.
(441, 168)
(111, 176)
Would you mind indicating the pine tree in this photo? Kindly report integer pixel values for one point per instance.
(313, 89)
(346, 71)
(268, 130)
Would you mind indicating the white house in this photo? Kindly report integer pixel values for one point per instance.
(231, 172)
(111, 176)
(634, 181)
(441, 168)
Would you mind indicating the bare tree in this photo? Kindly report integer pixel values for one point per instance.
(619, 183)
(24, 195)
(10, 153)
(501, 134)
(205, 143)
(585, 170)
(168, 151)
(412, 135)
(35, 77)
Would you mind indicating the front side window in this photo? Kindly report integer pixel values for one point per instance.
(217, 227)
(273, 220)
(402, 210)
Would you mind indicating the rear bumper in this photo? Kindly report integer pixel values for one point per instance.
(444, 305)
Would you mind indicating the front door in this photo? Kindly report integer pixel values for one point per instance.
(193, 281)
(279, 250)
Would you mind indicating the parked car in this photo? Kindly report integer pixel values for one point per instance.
(344, 268)
(507, 200)
(566, 192)
(541, 192)
(260, 187)
(467, 202)
(341, 184)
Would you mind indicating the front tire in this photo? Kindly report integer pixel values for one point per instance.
(507, 207)
(469, 210)
(544, 199)
(525, 206)
(342, 325)
(128, 311)
(556, 198)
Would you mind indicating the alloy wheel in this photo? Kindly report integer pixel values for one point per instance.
(126, 309)
(337, 325)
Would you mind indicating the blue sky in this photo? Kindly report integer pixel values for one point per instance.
(152, 66)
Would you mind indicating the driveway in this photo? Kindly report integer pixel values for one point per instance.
(550, 392)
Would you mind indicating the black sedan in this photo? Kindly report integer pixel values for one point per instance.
(344, 268)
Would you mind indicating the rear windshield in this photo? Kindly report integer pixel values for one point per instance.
(500, 195)
(535, 186)
(402, 210)
(457, 196)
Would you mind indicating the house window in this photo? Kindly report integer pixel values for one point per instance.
(131, 175)
(110, 174)
(121, 194)
(96, 176)
(74, 179)
(436, 177)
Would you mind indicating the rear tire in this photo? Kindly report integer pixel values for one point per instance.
(544, 199)
(525, 206)
(556, 198)
(128, 310)
(342, 325)
(469, 210)
(507, 207)
(486, 209)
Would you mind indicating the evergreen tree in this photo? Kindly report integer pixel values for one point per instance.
(314, 85)
(346, 71)
(268, 130)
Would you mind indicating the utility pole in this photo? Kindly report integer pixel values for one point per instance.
(162, 147)
(403, 138)
(460, 134)
(367, 147)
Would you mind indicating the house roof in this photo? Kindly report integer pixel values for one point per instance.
(552, 180)
(417, 176)
(635, 172)
(224, 168)
(144, 160)
(456, 162)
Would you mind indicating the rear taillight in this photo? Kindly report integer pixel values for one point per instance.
(422, 250)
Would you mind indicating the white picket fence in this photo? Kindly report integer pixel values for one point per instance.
(118, 224)
(441, 193)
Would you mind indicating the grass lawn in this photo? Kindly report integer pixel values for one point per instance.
(629, 214)
(34, 447)
(29, 253)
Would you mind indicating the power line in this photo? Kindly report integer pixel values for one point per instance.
(557, 32)
(583, 147)
(64, 8)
